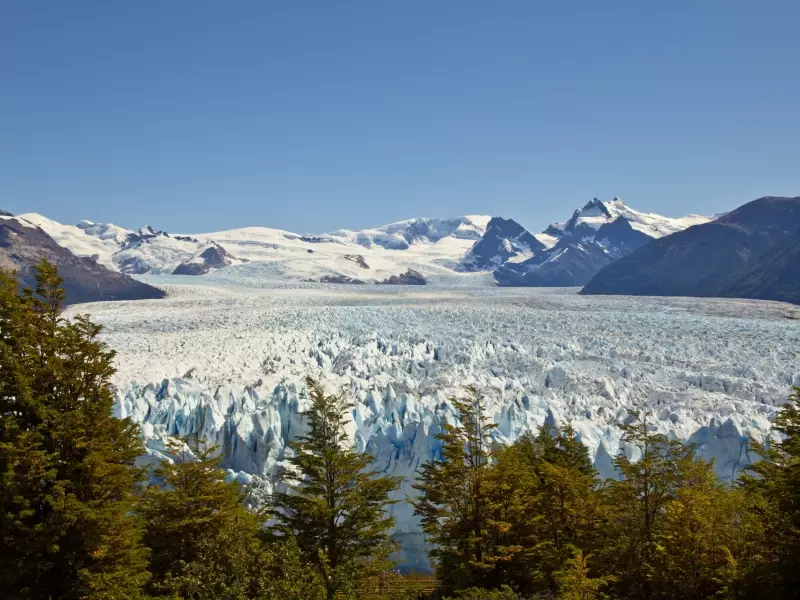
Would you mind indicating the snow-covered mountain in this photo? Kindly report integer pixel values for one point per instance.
(429, 248)
(504, 240)
(588, 220)
(23, 245)
(746, 252)
(403, 234)
(459, 251)
(210, 257)
(594, 237)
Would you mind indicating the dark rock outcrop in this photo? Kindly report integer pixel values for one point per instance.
(358, 259)
(22, 247)
(134, 240)
(344, 279)
(212, 258)
(410, 277)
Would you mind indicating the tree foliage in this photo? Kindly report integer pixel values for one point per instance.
(335, 506)
(66, 466)
(575, 581)
(452, 503)
(773, 485)
(205, 544)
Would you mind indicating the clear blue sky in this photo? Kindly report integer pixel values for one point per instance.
(315, 115)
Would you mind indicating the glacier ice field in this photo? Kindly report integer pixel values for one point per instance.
(227, 362)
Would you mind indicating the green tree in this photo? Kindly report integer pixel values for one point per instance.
(545, 505)
(511, 489)
(335, 507)
(67, 472)
(452, 503)
(205, 544)
(637, 503)
(699, 536)
(773, 489)
(575, 580)
(501, 593)
(567, 506)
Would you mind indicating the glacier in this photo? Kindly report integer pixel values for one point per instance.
(226, 361)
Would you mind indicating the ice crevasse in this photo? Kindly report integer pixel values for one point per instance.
(228, 365)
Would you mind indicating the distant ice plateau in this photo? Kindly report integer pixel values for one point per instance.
(226, 361)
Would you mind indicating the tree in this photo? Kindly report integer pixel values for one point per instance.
(452, 501)
(699, 536)
(335, 507)
(773, 490)
(545, 507)
(66, 466)
(567, 505)
(205, 544)
(511, 490)
(636, 504)
(575, 581)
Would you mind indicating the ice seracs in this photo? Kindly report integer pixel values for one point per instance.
(227, 362)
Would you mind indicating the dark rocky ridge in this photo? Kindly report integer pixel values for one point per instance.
(775, 275)
(745, 253)
(213, 257)
(22, 247)
(410, 277)
(577, 257)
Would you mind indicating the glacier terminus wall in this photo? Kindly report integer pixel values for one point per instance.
(227, 363)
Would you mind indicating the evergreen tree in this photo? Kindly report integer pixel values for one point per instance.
(205, 544)
(452, 502)
(567, 505)
(66, 466)
(511, 490)
(335, 508)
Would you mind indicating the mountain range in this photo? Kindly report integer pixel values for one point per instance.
(23, 245)
(468, 250)
(748, 252)
(594, 237)
(606, 246)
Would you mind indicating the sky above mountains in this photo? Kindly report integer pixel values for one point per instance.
(312, 116)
